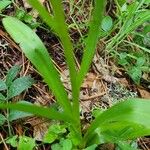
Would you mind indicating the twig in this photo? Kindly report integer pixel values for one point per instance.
(3, 142)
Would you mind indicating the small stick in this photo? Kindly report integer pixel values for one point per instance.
(3, 142)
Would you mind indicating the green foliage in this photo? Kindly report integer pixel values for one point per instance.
(27, 18)
(13, 87)
(2, 85)
(4, 4)
(126, 125)
(21, 142)
(11, 75)
(26, 143)
(132, 20)
(10, 88)
(135, 64)
(12, 141)
(126, 120)
(54, 132)
(19, 85)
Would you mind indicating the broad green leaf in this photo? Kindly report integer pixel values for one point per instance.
(147, 2)
(2, 119)
(40, 111)
(132, 114)
(97, 112)
(19, 85)
(36, 52)
(12, 141)
(15, 114)
(26, 143)
(4, 4)
(54, 132)
(107, 23)
(2, 97)
(2, 85)
(12, 73)
(125, 146)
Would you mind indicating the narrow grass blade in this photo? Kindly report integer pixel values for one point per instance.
(36, 52)
(92, 39)
(131, 114)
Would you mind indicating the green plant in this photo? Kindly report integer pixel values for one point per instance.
(131, 31)
(4, 4)
(10, 88)
(129, 18)
(134, 63)
(21, 142)
(126, 120)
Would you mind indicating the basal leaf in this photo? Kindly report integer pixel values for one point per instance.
(19, 85)
(15, 114)
(132, 114)
(36, 52)
(40, 111)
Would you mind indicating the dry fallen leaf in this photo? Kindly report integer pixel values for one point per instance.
(144, 93)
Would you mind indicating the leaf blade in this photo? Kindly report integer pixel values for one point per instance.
(19, 85)
(36, 52)
(132, 112)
